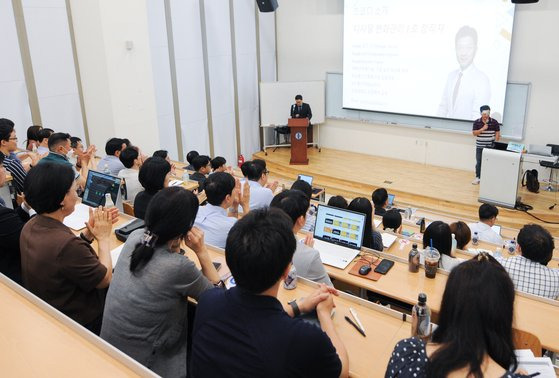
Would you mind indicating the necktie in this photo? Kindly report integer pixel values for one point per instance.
(456, 89)
(299, 109)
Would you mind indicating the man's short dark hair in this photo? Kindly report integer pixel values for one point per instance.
(200, 161)
(392, 219)
(46, 185)
(255, 170)
(484, 108)
(466, 31)
(57, 139)
(6, 128)
(259, 249)
(127, 142)
(74, 142)
(44, 134)
(536, 243)
(128, 155)
(338, 201)
(152, 174)
(487, 211)
(217, 186)
(113, 145)
(304, 187)
(218, 162)
(191, 155)
(379, 197)
(161, 153)
(293, 202)
(298, 97)
(245, 167)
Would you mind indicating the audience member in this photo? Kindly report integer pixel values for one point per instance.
(257, 177)
(61, 153)
(84, 158)
(338, 201)
(529, 271)
(245, 168)
(32, 142)
(380, 200)
(310, 219)
(371, 238)
(223, 192)
(218, 164)
(132, 161)
(110, 163)
(8, 147)
(392, 221)
(190, 158)
(43, 145)
(146, 309)
(474, 337)
(487, 218)
(438, 235)
(462, 234)
(57, 266)
(154, 175)
(272, 185)
(165, 155)
(306, 259)
(201, 165)
(261, 338)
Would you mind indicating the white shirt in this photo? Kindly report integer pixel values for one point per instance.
(114, 164)
(133, 185)
(41, 150)
(260, 196)
(215, 223)
(474, 91)
(448, 262)
(485, 233)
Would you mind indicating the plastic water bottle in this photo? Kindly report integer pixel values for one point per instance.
(413, 259)
(421, 318)
(106, 169)
(511, 246)
(290, 281)
(475, 238)
(108, 201)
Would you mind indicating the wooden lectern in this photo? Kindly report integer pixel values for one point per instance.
(298, 129)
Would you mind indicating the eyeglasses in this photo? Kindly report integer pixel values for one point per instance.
(266, 172)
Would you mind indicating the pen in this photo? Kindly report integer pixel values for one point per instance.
(354, 314)
(534, 374)
(355, 325)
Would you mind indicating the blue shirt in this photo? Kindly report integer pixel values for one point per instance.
(239, 334)
(215, 223)
(260, 196)
(112, 162)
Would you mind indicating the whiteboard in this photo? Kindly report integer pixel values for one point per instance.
(277, 97)
(513, 120)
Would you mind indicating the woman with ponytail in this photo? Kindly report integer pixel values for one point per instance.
(146, 308)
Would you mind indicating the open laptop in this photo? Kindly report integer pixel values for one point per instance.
(97, 185)
(309, 179)
(390, 201)
(338, 235)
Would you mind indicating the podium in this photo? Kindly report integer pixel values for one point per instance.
(298, 128)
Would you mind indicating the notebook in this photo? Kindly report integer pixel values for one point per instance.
(388, 239)
(338, 235)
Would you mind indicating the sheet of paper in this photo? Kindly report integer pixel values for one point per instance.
(76, 220)
(388, 239)
(540, 365)
(115, 254)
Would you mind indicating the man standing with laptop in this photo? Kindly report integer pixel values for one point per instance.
(487, 131)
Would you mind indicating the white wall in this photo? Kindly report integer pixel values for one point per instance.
(310, 35)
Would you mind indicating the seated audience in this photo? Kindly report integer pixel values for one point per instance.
(462, 234)
(245, 168)
(43, 145)
(190, 158)
(439, 236)
(474, 337)
(61, 152)
(218, 164)
(272, 185)
(392, 221)
(146, 308)
(60, 268)
(338, 201)
(487, 218)
(84, 158)
(110, 163)
(310, 219)
(132, 161)
(380, 200)
(32, 142)
(529, 271)
(154, 175)
(260, 335)
(223, 194)
(201, 165)
(165, 155)
(8, 147)
(306, 259)
(371, 238)
(257, 177)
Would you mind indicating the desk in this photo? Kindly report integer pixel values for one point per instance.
(38, 340)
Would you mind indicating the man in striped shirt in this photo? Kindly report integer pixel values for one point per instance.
(486, 130)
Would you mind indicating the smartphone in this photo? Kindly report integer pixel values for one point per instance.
(217, 265)
(384, 266)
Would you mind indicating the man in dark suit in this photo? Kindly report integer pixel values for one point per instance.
(302, 110)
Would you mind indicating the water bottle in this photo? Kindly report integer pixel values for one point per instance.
(108, 201)
(106, 169)
(511, 246)
(290, 281)
(499, 252)
(413, 259)
(475, 238)
(421, 318)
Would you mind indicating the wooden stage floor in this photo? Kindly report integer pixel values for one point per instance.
(435, 188)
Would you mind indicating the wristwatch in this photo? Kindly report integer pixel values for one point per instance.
(295, 307)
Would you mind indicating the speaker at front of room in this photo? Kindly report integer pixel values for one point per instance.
(524, 1)
(267, 5)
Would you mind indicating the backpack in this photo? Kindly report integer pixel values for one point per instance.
(530, 180)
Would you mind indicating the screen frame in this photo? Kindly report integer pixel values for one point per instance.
(299, 177)
(361, 233)
(92, 172)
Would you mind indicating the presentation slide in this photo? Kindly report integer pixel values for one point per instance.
(434, 58)
(342, 227)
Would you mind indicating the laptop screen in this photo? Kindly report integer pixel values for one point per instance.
(305, 178)
(339, 226)
(391, 199)
(97, 185)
